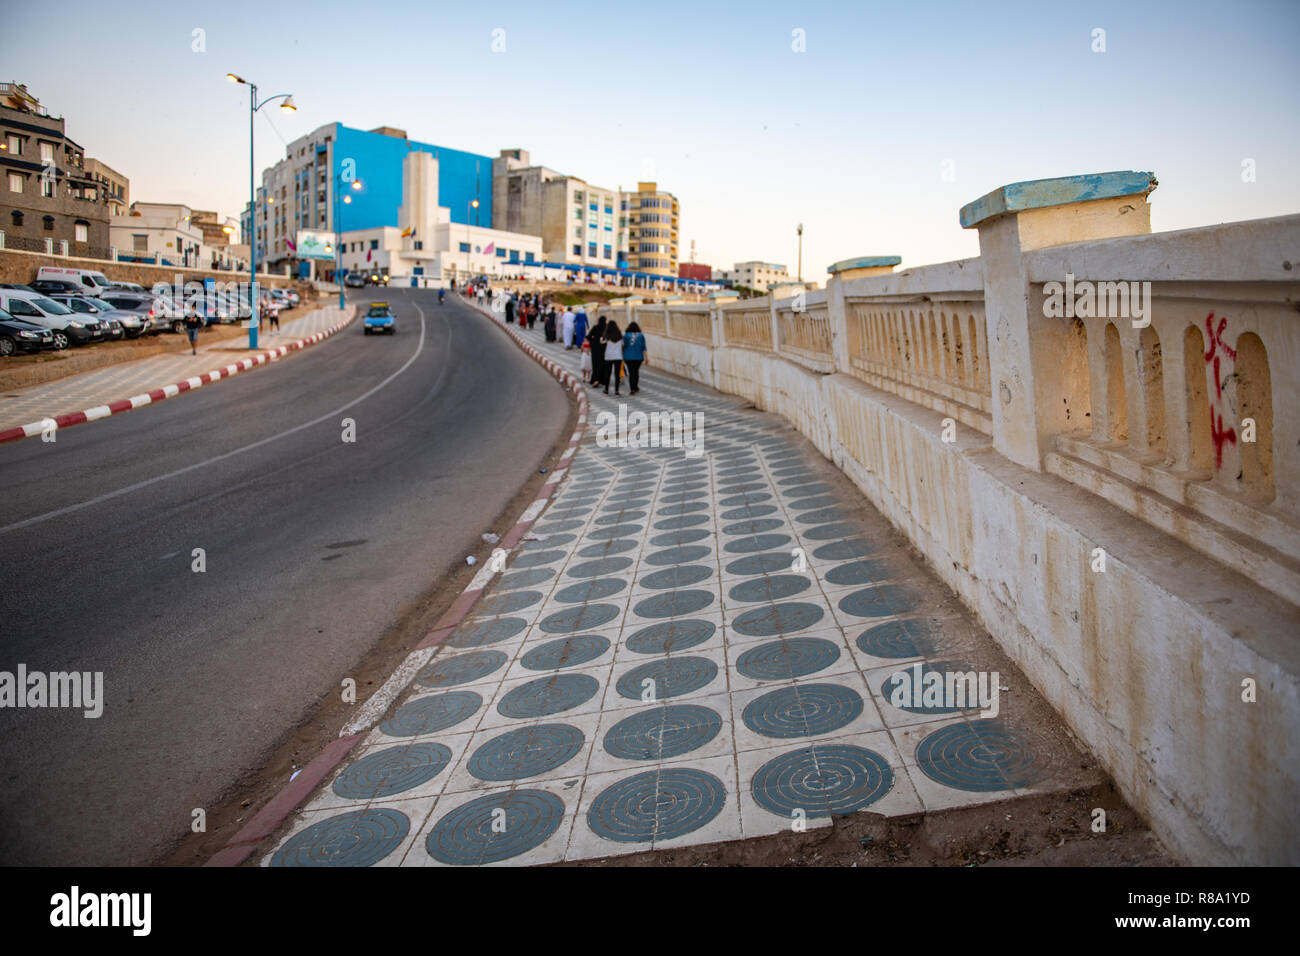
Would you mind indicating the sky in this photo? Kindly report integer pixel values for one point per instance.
(890, 118)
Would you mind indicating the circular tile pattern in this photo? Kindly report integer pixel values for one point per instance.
(908, 638)
(787, 658)
(534, 559)
(383, 773)
(906, 688)
(589, 590)
(619, 516)
(668, 636)
(844, 550)
(804, 710)
(828, 532)
(822, 780)
(579, 618)
(594, 569)
(750, 511)
(478, 633)
(617, 531)
(980, 756)
(683, 509)
(661, 733)
(524, 579)
(673, 603)
(670, 677)
(463, 669)
(859, 572)
(547, 541)
(753, 526)
(768, 563)
(757, 542)
(777, 619)
(677, 576)
(506, 603)
(477, 832)
(657, 805)
(432, 713)
(546, 527)
(685, 554)
(548, 695)
(565, 652)
(617, 546)
(770, 587)
(526, 752)
(821, 516)
(675, 538)
(748, 499)
(804, 490)
(883, 601)
(685, 521)
(817, 501)
(358, 838)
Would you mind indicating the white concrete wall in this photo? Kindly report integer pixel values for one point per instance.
(1146, 660)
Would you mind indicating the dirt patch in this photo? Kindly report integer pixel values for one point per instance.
(1052, 830)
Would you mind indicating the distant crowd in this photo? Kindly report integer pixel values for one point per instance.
(608, 353)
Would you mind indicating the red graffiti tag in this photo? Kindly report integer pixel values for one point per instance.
(1216, 343)
(1220, 436)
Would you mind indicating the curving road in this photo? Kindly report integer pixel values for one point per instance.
(314, 548)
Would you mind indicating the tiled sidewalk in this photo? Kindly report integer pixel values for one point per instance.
(661, 668)
(102, 385)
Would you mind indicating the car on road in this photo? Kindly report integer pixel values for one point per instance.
(18, 336)
(379, 319)
(355, 280)
(68, 327)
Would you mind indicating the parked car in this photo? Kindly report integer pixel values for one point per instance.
(142, 308)
(355, 280)
(52, 286)
(16, 285)
(85, 280)
(18, 336)
(120, 322)
(379, 319)
(125, 287)
(68, 327)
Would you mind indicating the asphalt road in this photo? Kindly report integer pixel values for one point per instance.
(313, 548)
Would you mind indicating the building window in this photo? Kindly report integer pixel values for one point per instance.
(419, 245)
(528, 257)
(464, 247)
(48, 223)
(501, 253)
(15, 182)
(374, 243)
(17, 217)
(140, 243)
(14, 144)
(47, 187)
(591, 249)
(577, 249)
(47, 153)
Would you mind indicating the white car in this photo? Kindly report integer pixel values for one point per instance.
(69, 328)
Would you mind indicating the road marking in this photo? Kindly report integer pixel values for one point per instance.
(71, 509)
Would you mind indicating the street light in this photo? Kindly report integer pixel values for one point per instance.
(473, 204)
(338, 236)
(253, 107)
(799, 229)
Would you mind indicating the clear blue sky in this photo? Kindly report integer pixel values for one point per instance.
(849, 137)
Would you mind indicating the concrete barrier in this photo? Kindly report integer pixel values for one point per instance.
(1071, 479)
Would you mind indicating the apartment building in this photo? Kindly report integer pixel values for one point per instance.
(114, 188)
(761, 276)
(47, 198)
(652, 229)
(579, 223)
(162, 233)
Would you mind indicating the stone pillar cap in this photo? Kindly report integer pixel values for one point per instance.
(1041, 193)
(863, 262)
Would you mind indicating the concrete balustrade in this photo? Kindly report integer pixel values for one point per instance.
(1102, 431)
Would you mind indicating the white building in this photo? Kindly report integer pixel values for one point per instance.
(761, 276)
(159, 232)
(426, 248)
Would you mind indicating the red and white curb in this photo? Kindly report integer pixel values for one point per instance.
(243, 844)
(19, 432)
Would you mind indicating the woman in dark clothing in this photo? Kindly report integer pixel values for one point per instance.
(596, 339)
(613, 356)
(633, 356)
(549, 327)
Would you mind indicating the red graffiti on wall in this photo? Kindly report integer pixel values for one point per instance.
(1218, 434)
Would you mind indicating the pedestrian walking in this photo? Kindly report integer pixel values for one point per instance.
(634, 353)
(596, 337)
(549, 326)
(580, 328)
(584, 366)
(566, 327)
(613, 356)
(510, 310)
(193, 322)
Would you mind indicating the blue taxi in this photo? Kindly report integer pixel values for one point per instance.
(379, 319)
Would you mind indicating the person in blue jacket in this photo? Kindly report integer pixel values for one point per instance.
(580, 327)
(633, 355)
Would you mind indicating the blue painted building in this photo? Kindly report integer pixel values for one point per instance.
(299, 191)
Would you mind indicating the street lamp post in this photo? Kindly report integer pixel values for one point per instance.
(338, 235)
(799, 229)
(253, 107)
(469, 241)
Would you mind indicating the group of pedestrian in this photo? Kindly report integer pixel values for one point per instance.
(608, 351)
(525, 309)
